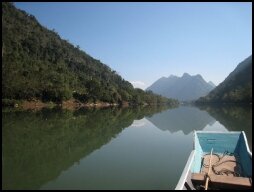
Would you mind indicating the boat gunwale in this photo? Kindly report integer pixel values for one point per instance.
(185, 172)
(246, 143)
(230, 132)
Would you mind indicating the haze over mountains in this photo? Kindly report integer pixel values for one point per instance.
(185, 88)
(236, 88)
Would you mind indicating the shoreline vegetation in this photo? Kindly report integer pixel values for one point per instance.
(71, 104)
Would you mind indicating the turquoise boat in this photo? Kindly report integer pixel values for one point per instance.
(219, 160)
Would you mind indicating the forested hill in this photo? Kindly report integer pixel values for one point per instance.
(38, 64)
(236, 88)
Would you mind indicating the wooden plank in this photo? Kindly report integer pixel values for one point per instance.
(198, 177)
(239, 181)
(222, 181)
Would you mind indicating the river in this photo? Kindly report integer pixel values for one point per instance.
(128, 148)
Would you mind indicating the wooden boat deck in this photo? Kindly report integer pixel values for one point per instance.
(222, 181)
(226, 173)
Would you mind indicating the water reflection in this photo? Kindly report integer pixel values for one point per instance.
(107, 148)
(184, 118)
(38, 146)
(141, 157)
(233, 117)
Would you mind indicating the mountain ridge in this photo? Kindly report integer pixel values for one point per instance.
(185, 88)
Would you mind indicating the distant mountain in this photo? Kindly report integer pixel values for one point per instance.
(211, 83)
(236, 88)
(185, 88)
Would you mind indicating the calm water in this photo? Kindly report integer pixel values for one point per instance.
(107, 149)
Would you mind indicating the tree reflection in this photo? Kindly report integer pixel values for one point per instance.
(38, 146)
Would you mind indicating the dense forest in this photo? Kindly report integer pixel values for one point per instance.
(38, 64)
(236, 88)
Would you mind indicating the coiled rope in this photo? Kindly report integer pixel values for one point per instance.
(223, 170)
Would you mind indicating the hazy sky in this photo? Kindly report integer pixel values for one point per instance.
(145, 41)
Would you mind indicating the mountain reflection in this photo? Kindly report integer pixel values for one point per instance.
(184, 118)
(38, 146)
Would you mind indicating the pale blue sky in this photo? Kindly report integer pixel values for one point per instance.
(145, 41)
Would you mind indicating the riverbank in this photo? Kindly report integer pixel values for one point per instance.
(72, 104)
(69, 104)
